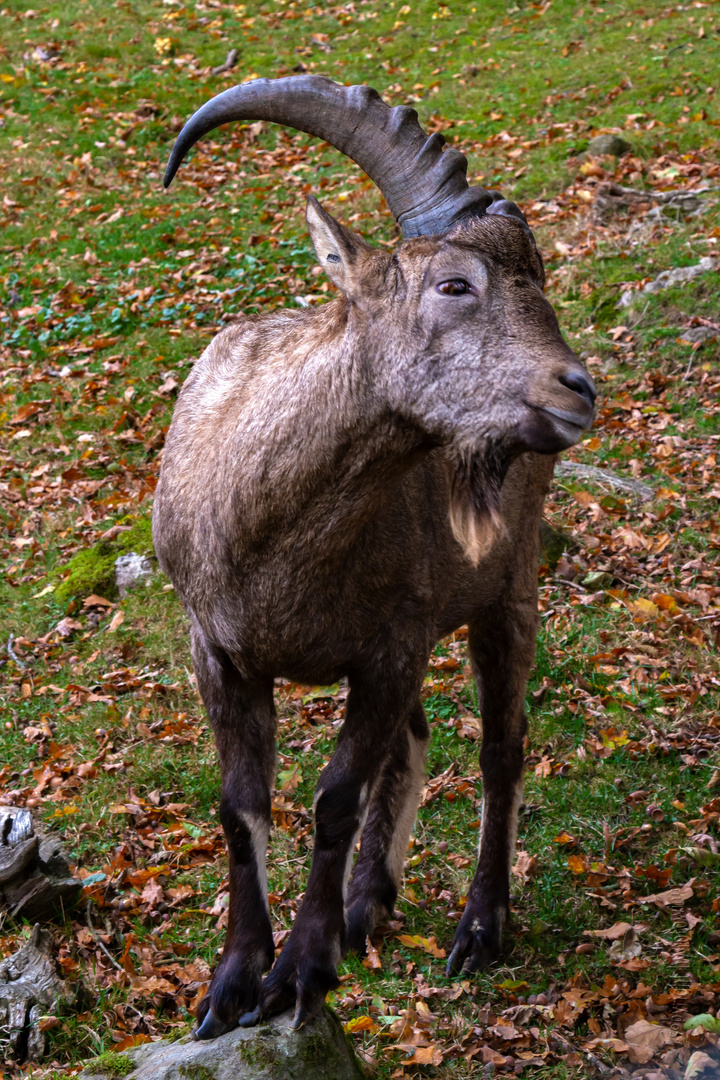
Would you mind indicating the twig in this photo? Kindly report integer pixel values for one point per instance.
(97, 941)
(231, 61)
(13, 655)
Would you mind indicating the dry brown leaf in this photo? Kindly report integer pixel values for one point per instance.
(425, 1055)
(612, 933)
(372, 960)
(674, 897)
(525, 866)
(645, 1040)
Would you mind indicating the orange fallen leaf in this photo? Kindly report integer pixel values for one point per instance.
(361, 1023)
(372, 961)
(429, 945)
(425, 1055)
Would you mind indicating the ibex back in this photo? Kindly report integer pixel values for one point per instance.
(342, 486)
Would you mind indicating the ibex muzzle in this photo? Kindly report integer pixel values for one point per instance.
(343, 485)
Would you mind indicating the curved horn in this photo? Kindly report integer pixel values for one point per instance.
(424, 187)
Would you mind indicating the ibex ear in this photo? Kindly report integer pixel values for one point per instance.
(341, 253)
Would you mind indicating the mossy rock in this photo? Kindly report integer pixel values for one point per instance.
(112, 1065)
(93, 569)
(273, 1051)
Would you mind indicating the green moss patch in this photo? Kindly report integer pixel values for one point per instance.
(93, 570)
(113, 1065)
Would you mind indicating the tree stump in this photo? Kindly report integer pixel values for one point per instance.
(271, 1051)
(35, 879)
(30, 989)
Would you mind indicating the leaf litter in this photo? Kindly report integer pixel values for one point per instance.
(612, 961)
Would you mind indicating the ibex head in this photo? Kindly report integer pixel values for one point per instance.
(461, 342)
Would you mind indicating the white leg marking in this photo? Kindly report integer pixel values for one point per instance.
(395, 858)
(259, 832)
(513, 822)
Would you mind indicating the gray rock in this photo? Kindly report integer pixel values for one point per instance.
(131, 570)
(668, 278)
(608, 144)
(271, 1051)
(604, 476)
(699, 333)
(30, 988)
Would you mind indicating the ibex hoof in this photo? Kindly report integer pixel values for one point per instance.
(476, 945)
(250, 1019)
(212, 1027)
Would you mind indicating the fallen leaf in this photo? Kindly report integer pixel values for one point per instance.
(361, 1023)
(645, 1040)
(429, 945)
(525, 866)
(372, 960)
(674, 897)
(618, 930)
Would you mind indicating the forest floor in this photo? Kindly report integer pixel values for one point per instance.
(110, 288)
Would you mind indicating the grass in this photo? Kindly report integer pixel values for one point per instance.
(110, 289)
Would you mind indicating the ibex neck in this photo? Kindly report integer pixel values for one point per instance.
(310, 445)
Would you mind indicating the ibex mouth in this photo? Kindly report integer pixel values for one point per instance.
(573, 419)
(548, 430)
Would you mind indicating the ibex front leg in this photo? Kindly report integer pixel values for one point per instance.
(243, 720)
(501, 646)
(307, 967)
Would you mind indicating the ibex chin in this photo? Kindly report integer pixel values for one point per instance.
(342, 486)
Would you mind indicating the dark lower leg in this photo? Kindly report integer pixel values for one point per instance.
(243, 721)
(390, 820)
(501, 650)
(307, 966)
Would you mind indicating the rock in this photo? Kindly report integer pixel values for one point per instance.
(697, 334)
(608, 144)
(35, 879)
(271, 1051)
(131, 570)
(668, 278)
(604, 476)
(30, 989)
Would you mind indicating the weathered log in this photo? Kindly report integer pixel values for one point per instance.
(35, 878)
(272, 1051)
(30, 988)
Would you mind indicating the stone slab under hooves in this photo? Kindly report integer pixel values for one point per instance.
(270, 1051)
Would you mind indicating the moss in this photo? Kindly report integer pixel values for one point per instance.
(316, 1050)
(112, 1064)
(196, 1072)
(258, 1054)
(93, 569)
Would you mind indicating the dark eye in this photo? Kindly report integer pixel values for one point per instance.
(456, 287)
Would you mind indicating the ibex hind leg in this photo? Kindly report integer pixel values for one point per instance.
(243, 720)
(390, 821)
(501, 646)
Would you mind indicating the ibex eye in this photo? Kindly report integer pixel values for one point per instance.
(454, 288)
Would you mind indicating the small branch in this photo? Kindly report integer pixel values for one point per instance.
(13, 655)
(97, 941)
(230, 62)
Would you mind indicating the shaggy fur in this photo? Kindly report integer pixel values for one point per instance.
(342, 486)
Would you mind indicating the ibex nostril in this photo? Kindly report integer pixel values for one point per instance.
(580, 383)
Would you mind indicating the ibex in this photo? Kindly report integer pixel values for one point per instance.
(342, 486)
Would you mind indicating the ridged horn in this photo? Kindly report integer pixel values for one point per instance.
(424, 186)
